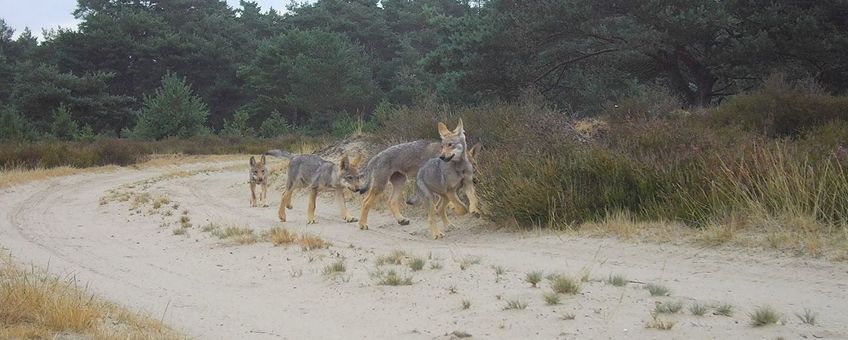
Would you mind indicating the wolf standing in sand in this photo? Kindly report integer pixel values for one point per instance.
(439, 179)
(316, 175)
(394, 165)
(258, 176)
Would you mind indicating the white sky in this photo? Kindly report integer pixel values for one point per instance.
(47, 14)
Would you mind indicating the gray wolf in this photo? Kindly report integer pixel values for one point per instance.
(258, 176)
(316, 175)
(439, 179)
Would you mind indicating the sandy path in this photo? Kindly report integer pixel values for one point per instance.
(215, 290)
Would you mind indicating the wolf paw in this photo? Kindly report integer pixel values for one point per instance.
(476, 213)
(282, 218)
(403, 221)
(438, 235)
(363, 226)
(289, 207)
(312, 221)
(351, 219)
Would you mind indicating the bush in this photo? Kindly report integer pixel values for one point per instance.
(238, 127)
(12, 125)
(782, 108)
(274, 126)
(63, 126)
(173, 111)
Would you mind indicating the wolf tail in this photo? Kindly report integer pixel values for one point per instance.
(415, 199)
(279, 153)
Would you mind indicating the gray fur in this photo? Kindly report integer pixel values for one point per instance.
(258, 176)
(316, 174)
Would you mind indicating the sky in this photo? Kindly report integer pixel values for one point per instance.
(47, 14)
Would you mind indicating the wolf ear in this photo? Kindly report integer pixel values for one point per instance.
(474, 151)
(443, 130)
(263, 159)
(345, 163)
(459, 129)
(356, 160)
(252, 160)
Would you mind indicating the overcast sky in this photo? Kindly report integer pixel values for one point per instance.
(47, 14)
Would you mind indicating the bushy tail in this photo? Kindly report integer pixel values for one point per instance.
(278, 153)
(415, 199)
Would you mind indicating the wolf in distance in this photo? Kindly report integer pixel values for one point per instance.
(258, 176)
(316, 175)
(439, 179)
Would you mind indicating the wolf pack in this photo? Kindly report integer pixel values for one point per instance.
(442, 172)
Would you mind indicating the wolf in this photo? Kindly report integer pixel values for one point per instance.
(258, 176)
(394, 165)
(316, 175)
(439, 179)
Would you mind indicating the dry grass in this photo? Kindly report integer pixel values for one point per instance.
(17, 176)
(565, 285)
(279, 236)
(396, 257)
(808, 317)
(335, 268)
(657, 323)
(724, 309)
(698, 309)
(416, 263)
(763, 316)
(392, 278)
(160, 201)
(533, 278)
(515, 304)
(237, 235)
(657, 290)
(469, 261)
(616, 280)
(309, 242)
(466, 304)
(668, 307)
(36, 305)
(180, 231)
(551, 298)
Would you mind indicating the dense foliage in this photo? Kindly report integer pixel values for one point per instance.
(330, 60)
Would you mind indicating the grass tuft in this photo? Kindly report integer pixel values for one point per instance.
(724, 309)
(279, 236)
(466, 304)
(335, 268)
(668, 307)
(396, 257)
(763, 316)
(180, 231)
(565, 285)
(309, 242)
(416, 263)
(808, 317)
(616, 280)
(698, 309)
(657, 323)
(515, 304)
(657, 290)
(468, 262)
(392, 278)
(551, 298)
(533, 278)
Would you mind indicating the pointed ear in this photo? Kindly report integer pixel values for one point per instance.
(356, 160)
(252, 160)
(263, 159)
(459, 129)
(443, 130)
(345, 163)
(474, 151)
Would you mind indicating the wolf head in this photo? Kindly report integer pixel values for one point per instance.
(257, 169)
(349, 174)
(453, 142)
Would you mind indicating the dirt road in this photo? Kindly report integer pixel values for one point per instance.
(213, 289)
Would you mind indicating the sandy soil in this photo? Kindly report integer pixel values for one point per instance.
(212, 289)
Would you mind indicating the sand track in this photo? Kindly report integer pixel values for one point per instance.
(215, 290)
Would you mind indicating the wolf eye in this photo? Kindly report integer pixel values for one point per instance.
(450, 144)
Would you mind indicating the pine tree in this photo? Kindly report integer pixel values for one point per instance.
(173, 111)
(64, 127)
(238, 126)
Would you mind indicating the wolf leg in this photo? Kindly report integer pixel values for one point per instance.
(310, 209)
(398, 181)
(431, 219)
(340, 199)
(285, 201)
(263, 197)
(252, 194)
(443, 212)
(458, 207)
(473, 201)
(370, 199)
